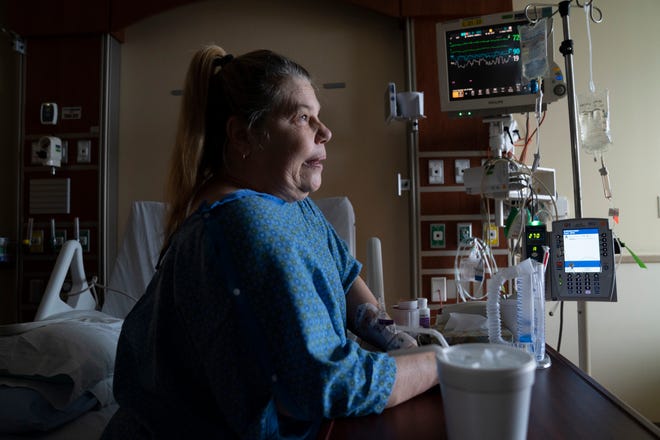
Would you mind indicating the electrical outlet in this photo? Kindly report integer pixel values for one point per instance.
(84, 151)
(436, 171)
(438, 235)
(439, 289)
(464, 232)
(460, 165)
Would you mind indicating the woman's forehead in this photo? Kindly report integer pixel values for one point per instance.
(301, 93)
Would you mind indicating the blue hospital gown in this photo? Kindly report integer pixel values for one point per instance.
(248, 313)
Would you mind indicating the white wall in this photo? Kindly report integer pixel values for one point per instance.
(624, 336)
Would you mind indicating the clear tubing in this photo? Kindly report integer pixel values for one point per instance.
(427, 331)
(592, 86)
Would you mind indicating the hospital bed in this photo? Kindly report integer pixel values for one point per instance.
(56, 372)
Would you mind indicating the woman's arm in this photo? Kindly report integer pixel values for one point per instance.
(357, 295)
(415, 373)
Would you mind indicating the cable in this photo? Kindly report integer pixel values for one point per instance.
(482, 261)
(120, 292)
(561, 326)
(592, 86)
(99, 300)
(528, 137)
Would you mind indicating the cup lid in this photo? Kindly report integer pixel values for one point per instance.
(485, 367)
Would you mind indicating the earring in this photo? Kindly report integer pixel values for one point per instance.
(245, 155)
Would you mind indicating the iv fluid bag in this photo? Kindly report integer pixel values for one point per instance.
(594, 118)
(534, 50)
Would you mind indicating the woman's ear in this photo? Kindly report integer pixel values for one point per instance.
(238, 136)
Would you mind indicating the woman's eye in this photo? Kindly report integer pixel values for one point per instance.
(304, 118)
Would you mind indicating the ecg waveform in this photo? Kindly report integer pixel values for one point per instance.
(483, 53)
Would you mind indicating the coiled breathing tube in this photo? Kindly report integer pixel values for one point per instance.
(524, 269)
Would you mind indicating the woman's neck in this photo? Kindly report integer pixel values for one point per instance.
(216, 188)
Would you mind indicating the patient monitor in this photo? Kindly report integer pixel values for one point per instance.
(582, 260)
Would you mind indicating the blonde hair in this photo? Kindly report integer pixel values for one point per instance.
(217, 87)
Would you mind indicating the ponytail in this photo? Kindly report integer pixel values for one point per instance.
(184, 176)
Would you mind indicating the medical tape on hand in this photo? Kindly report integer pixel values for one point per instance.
(380, 333)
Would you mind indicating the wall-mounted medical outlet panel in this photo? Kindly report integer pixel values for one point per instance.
(463, 232)
(460, 165)
(60, 238)
(436, 171)
(84, 151)
(491, 232)
(85, 237)
(48, 113)
(37, 241)
(438, 236)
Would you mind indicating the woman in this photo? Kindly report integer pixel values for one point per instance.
(242, 331)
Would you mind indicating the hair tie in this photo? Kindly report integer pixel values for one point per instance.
(222, 61)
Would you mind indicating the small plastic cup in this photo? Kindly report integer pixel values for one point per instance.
(486, 391)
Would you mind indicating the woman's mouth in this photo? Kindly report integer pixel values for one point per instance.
(315, 163)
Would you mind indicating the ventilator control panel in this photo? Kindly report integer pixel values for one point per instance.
(582, 260)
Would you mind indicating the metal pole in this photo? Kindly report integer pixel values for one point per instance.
(20, 200)
(567, 50)
(413, 140)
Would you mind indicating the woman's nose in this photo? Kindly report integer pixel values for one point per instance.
(323, 134)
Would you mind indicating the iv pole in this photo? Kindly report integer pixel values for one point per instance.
(566, 49)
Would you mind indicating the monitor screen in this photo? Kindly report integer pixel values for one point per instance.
(581, 250)
(481, 70)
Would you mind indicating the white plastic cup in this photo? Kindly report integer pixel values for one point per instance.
(406, 317)
(486, 391)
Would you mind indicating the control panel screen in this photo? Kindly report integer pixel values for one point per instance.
(582, 260)
(581, 250)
